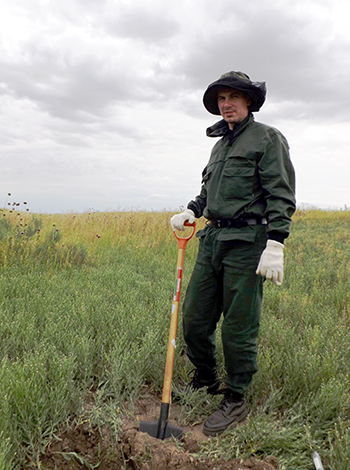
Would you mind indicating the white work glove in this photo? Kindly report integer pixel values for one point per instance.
(271, 262)
(177, 221)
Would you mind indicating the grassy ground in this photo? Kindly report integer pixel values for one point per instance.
(85, 304)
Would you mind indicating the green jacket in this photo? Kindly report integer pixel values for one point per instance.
(249, 174)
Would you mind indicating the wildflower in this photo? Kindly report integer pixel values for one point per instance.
(22, 233)
(98, 236)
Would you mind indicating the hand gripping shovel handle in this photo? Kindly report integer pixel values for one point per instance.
(161, 429)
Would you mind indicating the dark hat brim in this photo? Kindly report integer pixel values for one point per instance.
(255, 90)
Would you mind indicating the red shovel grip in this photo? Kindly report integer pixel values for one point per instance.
(183, 240)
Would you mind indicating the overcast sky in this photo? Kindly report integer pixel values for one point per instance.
(101, 101)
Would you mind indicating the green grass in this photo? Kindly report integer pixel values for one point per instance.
(85, 305)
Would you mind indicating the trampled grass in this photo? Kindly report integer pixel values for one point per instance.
(85, 304)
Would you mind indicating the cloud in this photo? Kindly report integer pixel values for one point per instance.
(302, 60)
(144, 23)
(101, 101)
(81, 61)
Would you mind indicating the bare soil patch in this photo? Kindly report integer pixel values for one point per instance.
(86, 447)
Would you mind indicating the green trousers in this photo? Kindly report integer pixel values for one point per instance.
(224, 282)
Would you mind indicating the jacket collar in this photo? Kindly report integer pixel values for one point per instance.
(221, 128)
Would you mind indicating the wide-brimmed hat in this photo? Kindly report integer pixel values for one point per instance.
(239, 81)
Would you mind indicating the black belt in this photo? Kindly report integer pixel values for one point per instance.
(237, 223)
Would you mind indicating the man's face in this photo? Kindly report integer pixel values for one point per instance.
(233, 105)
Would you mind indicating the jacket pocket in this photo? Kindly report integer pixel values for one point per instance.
(238, 182)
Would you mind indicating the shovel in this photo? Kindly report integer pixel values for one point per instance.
(161, 429)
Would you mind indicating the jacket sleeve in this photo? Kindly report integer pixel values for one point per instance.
(277, 178)
(200, 202)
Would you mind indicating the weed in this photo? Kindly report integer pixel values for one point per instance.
(85, 305)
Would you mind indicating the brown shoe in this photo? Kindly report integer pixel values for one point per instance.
(232, 410)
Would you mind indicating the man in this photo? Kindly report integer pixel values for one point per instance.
(248, 197)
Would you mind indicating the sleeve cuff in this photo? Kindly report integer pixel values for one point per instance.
(278, 237)
(191, 207)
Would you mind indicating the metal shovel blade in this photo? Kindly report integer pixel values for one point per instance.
(161, 429)
(152, 428)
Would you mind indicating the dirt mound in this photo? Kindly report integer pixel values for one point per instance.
(148, 453)
(87, 447)
(81, 448)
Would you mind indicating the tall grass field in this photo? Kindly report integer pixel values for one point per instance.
(85, 308)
